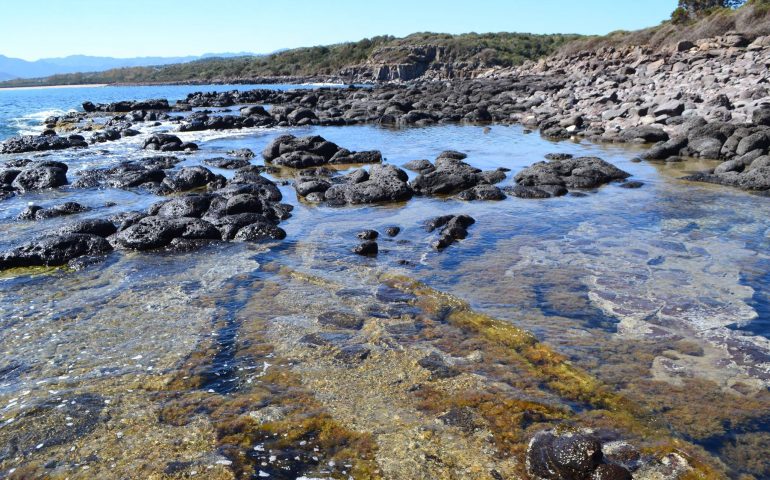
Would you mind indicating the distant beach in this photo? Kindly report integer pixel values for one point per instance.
(41, 87)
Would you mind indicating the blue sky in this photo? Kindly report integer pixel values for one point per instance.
(32, 29)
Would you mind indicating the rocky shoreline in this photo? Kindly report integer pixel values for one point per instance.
(704, 100)
(680, 103)
(683, 103)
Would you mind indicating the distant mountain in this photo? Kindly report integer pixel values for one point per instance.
(17, 68)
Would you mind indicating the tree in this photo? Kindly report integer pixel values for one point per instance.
(692, 9)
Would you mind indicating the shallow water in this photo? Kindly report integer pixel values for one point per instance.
(660, 292)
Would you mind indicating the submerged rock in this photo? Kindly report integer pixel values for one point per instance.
(555, 455)
(453, 228)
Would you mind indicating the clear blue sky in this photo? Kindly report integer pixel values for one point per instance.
(32, 29)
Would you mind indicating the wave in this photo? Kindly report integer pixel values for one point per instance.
(32, 123)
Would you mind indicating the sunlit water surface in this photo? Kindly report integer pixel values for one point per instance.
(659, 291)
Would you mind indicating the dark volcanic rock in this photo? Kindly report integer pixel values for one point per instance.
(41, 175)
(346, 157)
(98, 227)
(437, 367)
(186, 206)
(189, 178)
(583, 172)
(54, 250)
(260, 231)
(366, 248)
(226, 163)
(392, 231)
(341, 320)
(644, 134)
(34, 212)
(421, 166)
(313, 151)
(245, 153)
(31, 143)
(229, 225)
(287, 144)
(386, 183)
(453, 227)
(544, 191)
(451, 175)
(167, 143)
(368, 235)
(554, 455)
(482, 192)
(156, 232)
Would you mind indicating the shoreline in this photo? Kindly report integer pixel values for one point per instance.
(45, 87)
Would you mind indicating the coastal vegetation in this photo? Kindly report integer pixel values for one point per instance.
(486, 49)
(693, 20)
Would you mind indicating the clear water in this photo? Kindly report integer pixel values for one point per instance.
(659, 292)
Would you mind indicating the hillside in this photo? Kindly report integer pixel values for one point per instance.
(752, 20)
(474, 50)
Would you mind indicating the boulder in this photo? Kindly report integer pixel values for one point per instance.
(582, 172)
(186, 206)
(563, 455)
(189, 178)
(644, 134)
(761, 116)
(260, 231)
(39, 176)
(54, 250)
(165, 142)
(155, 232)
(450, 176)
(367, 248)
(386, 183)
(482, 192)
(99, 227)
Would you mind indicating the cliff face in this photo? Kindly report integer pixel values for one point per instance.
(405, 63)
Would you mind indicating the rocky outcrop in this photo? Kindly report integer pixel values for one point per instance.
(566, 453)
(41, 143)
(382, 184)
(449, 175)
(126, 106)
(168, 143)
(54, 250)
(27, 175)
(313, 151)
(555, 177)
